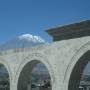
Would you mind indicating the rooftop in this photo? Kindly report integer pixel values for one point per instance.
(70, 31)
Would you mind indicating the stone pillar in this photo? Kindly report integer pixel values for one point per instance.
(29, 85)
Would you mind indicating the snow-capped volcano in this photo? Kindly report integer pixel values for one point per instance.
(25, 40)
(30, 37)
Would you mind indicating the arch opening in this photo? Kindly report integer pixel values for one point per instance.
(4, 78)
(75, 81)
(34, 76)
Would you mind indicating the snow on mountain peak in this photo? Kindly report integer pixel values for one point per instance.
(23, 41)
(30, 37)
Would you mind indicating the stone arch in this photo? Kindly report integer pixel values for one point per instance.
(7, 68)
(77, 64)
(31, 60)
(76, 73)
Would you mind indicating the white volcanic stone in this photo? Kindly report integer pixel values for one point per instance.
(59, 58)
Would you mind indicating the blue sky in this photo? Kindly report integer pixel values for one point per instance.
(18, 17)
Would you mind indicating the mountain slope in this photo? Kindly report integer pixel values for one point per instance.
(25, 40)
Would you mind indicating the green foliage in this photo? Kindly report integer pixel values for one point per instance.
(1, 53)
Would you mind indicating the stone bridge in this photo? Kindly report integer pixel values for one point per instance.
(65, 58)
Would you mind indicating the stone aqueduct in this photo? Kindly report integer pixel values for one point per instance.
(65, 59)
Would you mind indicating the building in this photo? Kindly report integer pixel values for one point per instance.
(65, 58)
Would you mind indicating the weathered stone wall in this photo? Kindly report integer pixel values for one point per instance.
(59, 58)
